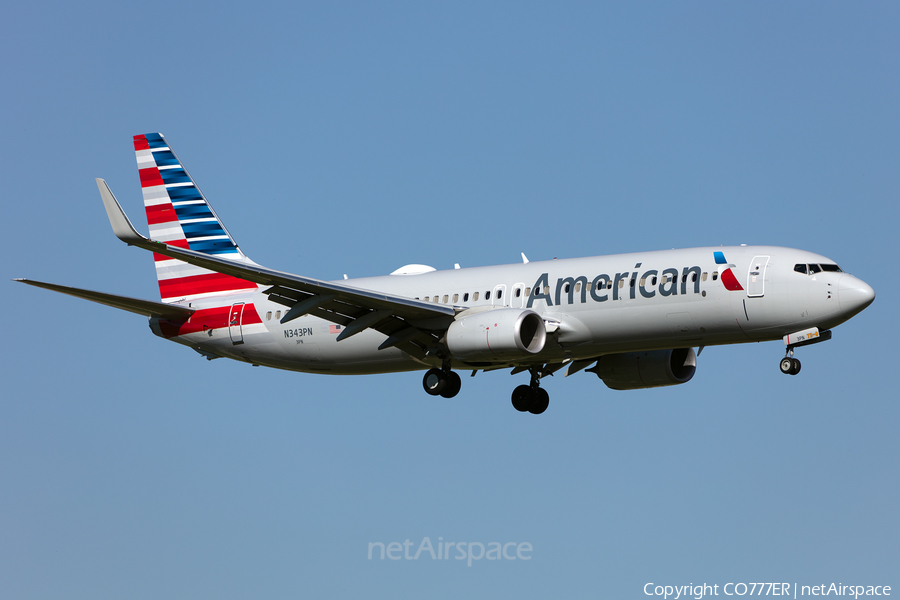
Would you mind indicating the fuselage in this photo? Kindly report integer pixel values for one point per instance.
(592, 306)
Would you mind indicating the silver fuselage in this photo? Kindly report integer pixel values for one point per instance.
(633, 308)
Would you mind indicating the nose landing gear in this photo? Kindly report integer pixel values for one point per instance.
(531, 398)
(789, 365)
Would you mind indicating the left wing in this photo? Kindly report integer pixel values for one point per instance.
(412, 325)
(135, 305)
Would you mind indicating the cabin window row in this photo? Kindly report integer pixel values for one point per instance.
(601, 285)
(446, 298)
(608, 285)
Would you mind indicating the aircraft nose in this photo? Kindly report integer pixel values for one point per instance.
(854, 294)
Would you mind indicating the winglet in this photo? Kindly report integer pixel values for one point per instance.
(121, 226)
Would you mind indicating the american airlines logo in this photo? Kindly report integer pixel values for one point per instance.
(601, 288)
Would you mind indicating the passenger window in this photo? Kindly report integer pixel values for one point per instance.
(621, 283)
(269, 316)
(475, 297)
(798, 268)
(566, 289)
(632, 282)
(499, 294)
(643, 281)
(437, 299)
(813, 269)
(578, 287)
(546, 290)
(653, 281)
(518, 292)
(427, 298)
(466, 297)
(446, 298)
(715, 275)
(703, 277)
(277, 314)
(694, 277)
(455, 298)
(684, 278)
(528, 291)
(487, 295)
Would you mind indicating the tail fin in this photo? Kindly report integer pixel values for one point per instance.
(179, 215)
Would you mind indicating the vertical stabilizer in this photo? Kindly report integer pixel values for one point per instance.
(179, 215)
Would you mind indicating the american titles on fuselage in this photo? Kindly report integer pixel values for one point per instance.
(604, 287)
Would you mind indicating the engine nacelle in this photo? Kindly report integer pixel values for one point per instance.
(498, 333)
(640, 370)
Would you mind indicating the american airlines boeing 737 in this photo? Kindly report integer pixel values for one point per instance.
(631, 319)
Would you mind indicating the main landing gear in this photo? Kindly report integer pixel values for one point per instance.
(531, 398)
(442, 382)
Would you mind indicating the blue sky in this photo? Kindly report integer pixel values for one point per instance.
(352, 138)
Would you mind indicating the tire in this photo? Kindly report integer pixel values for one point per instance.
(795, 366)
(454, 383)
(434, 382)
(522, 398)
(541, 401)
(786, 365)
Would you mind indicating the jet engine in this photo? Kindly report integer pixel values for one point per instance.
(498, 333)
(640, 370)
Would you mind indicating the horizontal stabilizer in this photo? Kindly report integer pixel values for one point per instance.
(141, 307)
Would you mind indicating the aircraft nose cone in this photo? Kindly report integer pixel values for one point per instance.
(854, 294)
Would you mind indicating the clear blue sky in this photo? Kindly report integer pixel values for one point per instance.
(351, 138)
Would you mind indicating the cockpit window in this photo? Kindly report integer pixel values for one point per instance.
(800, 268)
(831, 268)
(813, 269)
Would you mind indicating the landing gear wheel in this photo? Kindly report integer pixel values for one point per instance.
(522, 398)
(795, 366)
(787, 365)
(434, 382)
(452, 386)
(541, 401)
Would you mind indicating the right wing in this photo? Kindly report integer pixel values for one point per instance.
(412, 325)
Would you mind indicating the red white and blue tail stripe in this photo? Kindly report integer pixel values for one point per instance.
(179, 215)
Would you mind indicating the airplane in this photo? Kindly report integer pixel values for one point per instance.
(633, 320)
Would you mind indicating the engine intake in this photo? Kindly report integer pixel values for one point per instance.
(498, 333)
(641, 370)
